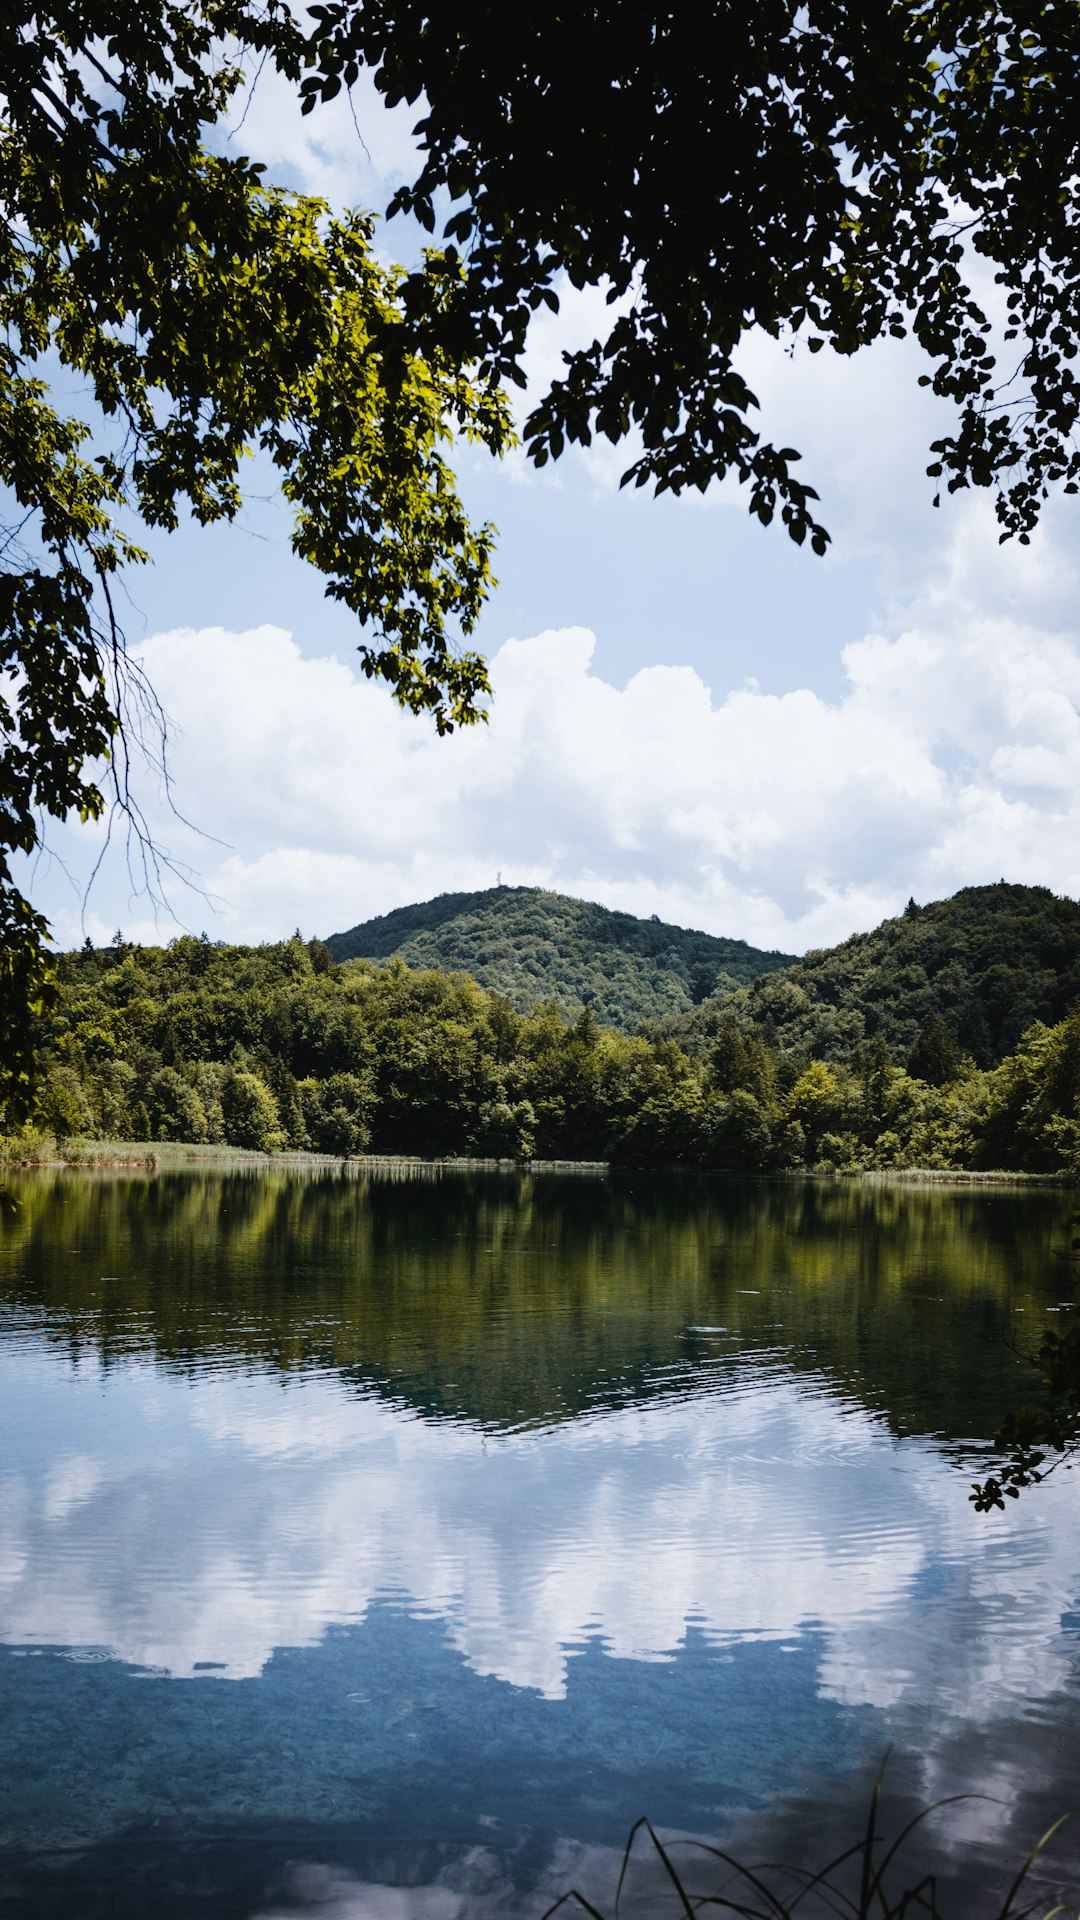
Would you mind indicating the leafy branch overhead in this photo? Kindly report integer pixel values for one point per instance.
(199, 315)
(830, 172)
(208, 314)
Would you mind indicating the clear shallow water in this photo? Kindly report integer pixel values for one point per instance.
(388, 1545)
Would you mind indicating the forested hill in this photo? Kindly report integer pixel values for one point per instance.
(533, 946)
(276, 1046)
(985, 964)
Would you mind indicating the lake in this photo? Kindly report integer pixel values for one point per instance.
(384, 1543)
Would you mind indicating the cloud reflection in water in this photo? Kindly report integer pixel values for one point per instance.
(182, 1523)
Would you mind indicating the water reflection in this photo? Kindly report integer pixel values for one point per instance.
(517, 1299)
(429, 1534)
(189, 1528)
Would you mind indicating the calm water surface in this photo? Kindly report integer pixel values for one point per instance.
(379, 1545)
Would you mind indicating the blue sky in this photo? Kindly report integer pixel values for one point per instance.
(691, 716)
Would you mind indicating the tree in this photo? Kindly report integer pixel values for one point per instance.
(250, 1112)
(175, 1109)
(740, 1140)
(935, 1056)
(827, 170)
(63, 1107)
(1034, 1441)
(337, 1113)
(200, 314)
(816, 1103)
(505, 1130)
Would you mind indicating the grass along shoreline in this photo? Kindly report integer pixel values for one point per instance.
(37, 1148)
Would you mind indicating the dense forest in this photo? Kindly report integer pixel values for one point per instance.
(531, 945)
(280, 1046)
(990, 962)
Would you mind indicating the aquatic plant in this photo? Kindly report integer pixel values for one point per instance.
(860, 1883)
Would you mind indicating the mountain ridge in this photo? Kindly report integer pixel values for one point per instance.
(533, 944)
(988, 961)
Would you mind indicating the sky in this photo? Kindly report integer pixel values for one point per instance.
(691, 716)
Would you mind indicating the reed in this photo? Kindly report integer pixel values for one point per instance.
(863, 1882)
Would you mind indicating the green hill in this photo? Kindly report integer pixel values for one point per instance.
(534, 946)
(988, 962)
(944, 1039)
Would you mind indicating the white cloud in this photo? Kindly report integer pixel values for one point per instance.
(351, 151)
(863, 426)
(953, 757)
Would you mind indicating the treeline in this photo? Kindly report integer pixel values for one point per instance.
(279, 1047)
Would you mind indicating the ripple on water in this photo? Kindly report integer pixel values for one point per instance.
(635, 1534)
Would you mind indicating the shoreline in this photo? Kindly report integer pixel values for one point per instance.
(162, 1155)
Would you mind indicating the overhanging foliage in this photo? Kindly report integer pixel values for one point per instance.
(827, 170)
(200, 315)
